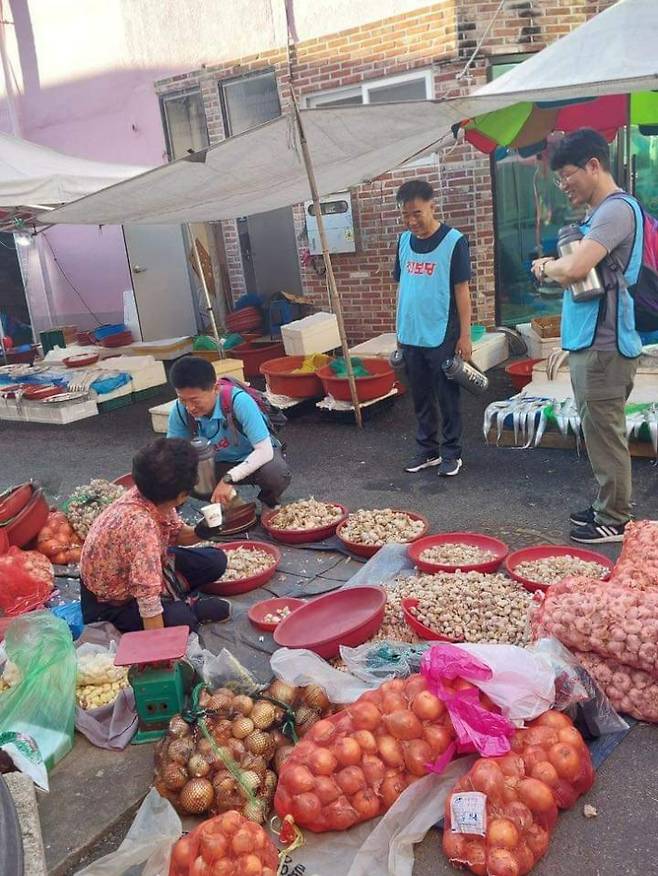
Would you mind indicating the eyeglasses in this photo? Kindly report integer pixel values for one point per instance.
(563, 181)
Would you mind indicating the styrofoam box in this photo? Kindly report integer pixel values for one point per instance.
(59, 414)
(160, 416)
(317, 333)
(538, 347)
(489, 351)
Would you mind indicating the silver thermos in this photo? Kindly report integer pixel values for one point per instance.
(206, 480)
(466, 375)
(589, 288)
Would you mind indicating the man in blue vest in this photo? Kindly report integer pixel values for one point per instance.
(600, 334)
(433, 323)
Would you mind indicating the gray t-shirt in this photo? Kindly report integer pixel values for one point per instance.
(613, 226)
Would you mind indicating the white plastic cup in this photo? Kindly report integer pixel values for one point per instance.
(212, 515)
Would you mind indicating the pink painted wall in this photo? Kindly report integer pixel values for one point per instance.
(84, 75)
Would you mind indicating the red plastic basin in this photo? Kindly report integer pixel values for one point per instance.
(14, 500)
(255, 354)
(301, 536)
(125, 480)
(473, 539)
(545, 551)
(419, 628)
(120, 339)
(244, 585)
(521, 372)
(29, 521)
(347, 617)
(80, 360)
(282, 381)
(369, 550)
(378, 383)
(257, 613)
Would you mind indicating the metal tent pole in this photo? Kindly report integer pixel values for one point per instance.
(206, 293)
(331, 279)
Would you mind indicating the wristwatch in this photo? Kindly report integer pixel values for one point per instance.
(228, 478)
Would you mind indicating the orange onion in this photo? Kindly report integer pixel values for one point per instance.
(403, 724)
(537, 796)
(365, 715)
(350, 780)
(427, 707)
(566, 760)
(502, 832)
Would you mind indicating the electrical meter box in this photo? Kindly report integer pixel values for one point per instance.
(338, 224)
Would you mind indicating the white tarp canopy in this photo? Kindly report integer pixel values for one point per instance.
(33, 175)
(262, 169)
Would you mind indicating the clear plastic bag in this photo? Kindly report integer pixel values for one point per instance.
(146, 850)
(43, 704)
(300, 667)
(577, 692)
(375, 662)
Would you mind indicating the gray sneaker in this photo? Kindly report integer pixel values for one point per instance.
(421, 461)
(449, 468)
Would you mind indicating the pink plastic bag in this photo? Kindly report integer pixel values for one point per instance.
(477, 729)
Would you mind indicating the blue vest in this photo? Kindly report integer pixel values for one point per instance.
(424, 291)
(580, 319)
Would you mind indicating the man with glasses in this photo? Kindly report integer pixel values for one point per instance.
(600, 333)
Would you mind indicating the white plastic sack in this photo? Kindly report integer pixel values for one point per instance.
(148, 842)
(300, 667)
(382, 846)
(522, 685)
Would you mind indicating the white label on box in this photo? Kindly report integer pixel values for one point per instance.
(468, 813)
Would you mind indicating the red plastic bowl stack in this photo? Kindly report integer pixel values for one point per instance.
(244, 320)
(23, 514)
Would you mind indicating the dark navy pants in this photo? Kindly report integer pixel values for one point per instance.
(198, 566)
(434, 394)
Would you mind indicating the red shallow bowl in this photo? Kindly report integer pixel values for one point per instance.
(125, 480)
(244, 585)
(473, 539)
(543, 552)
(38, 393)
(520, 373)
(257, 613)
(302, 536)
(369, 550)
(81, 359)
(418, 628)
(29, 522)
(346, 617)
(14, 500)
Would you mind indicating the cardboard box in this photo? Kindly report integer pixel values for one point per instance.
(547, 326)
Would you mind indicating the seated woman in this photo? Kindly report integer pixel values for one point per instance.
(134, 571)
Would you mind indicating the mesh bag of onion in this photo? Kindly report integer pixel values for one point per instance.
(620, 622)
(500, 815)
(226, 845)
(353, 766)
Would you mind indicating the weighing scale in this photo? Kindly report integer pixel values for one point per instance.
(158, 676)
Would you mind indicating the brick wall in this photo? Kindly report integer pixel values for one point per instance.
(440, 38)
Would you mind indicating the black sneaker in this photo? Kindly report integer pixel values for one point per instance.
(598, 533)
(583, 518)
(421, 461)
(212, 610)
(449, 468)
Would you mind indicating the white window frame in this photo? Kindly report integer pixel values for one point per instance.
(317, 100)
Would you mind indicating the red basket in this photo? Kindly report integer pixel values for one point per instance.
(473, 539)
(369, 550)
(282, 381)
(258, 612)
(418, 628)
(349, 616)
(244, 320)
(378, 383)
(244, 585)
(253, 355)
(521, 372)
(302, 536)
(545, 551)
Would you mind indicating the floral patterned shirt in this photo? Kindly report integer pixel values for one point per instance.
(125, 551)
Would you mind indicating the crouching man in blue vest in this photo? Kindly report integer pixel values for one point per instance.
(433, 323)
(600, 334)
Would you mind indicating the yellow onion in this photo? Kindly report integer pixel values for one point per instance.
(178, 727)
(305, 718)
(316, 698)
(174, 776)
(197, 796)
(270, 783)
(254, 764)
(279, 739)
(249, 781)
(255, 810)
(198, 766)
(260, 743)
(220, 703)
(242, 727)
(243, 704)
(263, 715)
(180, 750)
(283, 692)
